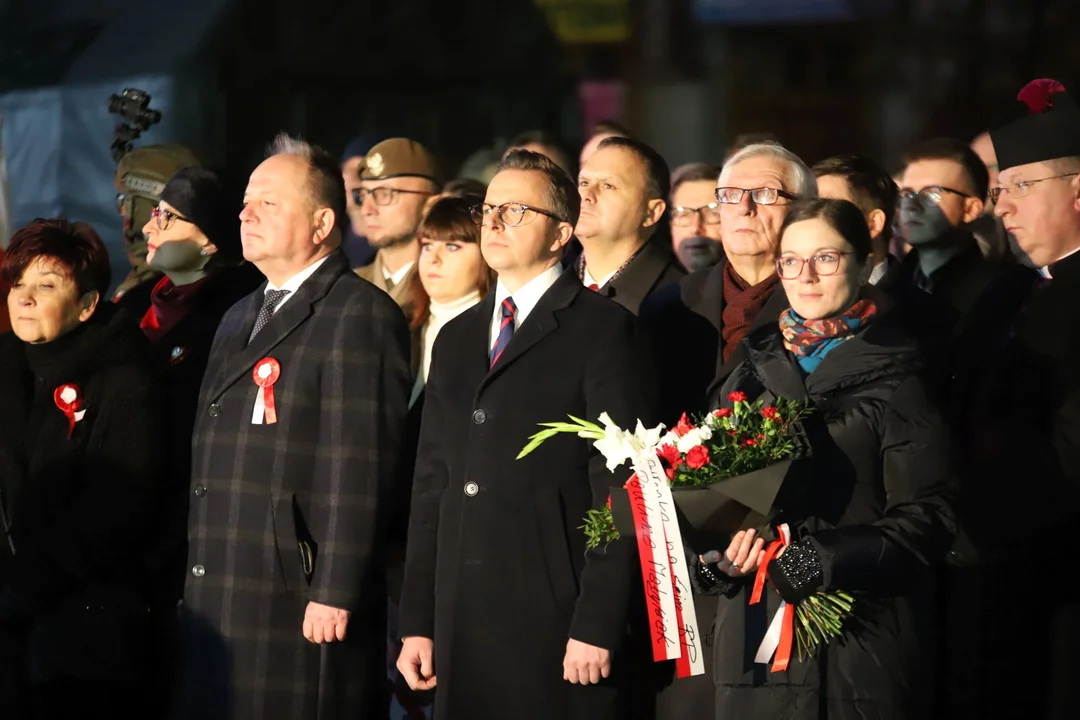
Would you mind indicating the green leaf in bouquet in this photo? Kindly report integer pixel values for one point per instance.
(599, 528)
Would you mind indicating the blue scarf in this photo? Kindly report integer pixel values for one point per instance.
(811, 340)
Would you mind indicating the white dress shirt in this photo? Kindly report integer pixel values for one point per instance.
(397, 277)
(880, 270)
(525, 299)
(293, 284)
(587, 279)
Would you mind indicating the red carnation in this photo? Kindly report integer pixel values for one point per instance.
(697, 458)
(670, 472)
(737, 396)
(750, 442)
(770, 413)
(683, 427)
(723, 413)
(733, 433)
(608, 502)
(1038, 95)
(670, 453)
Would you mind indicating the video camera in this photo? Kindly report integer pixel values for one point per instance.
(134, 107)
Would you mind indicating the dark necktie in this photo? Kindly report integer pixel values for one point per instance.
(271, 299)
(506, 329)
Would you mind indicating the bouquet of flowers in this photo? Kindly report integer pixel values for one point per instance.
(737, 455)
(728, 444)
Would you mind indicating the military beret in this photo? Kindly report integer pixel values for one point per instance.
(399, 157)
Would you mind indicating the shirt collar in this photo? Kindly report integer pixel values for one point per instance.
(293, 284)
(1045, 271)
(587, 279)
(398, 276)
(529, 294)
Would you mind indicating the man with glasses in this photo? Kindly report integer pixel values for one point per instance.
(943, 189)
(503, 611)
(623, 188)
(398, 177)
(711, 310)
(695, 216)
(1020, 491)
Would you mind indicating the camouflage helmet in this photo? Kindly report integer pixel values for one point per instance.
(140, 176)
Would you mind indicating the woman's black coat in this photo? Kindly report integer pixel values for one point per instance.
(179, 359)
(874, 501)
(79, 507)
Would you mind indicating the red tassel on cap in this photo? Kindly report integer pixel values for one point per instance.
(1038, 95)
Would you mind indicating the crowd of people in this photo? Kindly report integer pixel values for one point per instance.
(277, 473)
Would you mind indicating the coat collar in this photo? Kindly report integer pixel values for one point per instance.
(236, 357)
(642, 274)
(540, 323)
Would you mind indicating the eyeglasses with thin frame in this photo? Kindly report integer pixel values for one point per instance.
(1021, 188)
(822, 264)
(164, 218)
(383, 195)
(684, 216)
(933, 193)
(760, 196)
(510, 214)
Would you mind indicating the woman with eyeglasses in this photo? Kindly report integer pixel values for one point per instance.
(79, 482)
(193, 237)
(869, 510)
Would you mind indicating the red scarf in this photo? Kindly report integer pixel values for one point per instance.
(169, 304)
(742, 303)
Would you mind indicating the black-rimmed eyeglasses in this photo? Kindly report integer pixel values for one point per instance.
(684, 216)
(933, 193)
(164, 218)
(383, 196)
(760, 196)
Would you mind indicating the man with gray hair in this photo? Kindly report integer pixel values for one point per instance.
(301, 416)
(713, 309)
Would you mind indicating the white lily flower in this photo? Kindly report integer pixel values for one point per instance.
(647, 438)
(617, 446)
(669, 439)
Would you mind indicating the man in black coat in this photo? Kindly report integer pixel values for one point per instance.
(1020, 492)
(301, 416)
(944, 186)
(623, 187)
(503, 610)
(710, 311)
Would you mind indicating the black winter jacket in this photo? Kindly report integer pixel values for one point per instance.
(873, 501)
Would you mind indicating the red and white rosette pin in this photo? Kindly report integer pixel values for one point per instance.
(68, 398)
(266, 373)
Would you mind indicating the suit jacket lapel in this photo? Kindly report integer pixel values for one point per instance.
(641, 275)
(540, 323)
(241, 357)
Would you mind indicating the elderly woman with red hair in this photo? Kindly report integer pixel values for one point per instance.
(78, 471)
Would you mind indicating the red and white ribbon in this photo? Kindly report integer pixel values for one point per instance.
(68, 398)
(776, 645)
(266, 373)
(668, 594)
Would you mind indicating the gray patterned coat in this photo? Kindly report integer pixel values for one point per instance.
(286, 513)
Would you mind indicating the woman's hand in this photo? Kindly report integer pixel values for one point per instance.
(742, 556)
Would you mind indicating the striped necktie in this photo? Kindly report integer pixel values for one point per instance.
(506, 330)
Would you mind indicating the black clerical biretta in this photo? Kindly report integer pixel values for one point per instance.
(1043, 123)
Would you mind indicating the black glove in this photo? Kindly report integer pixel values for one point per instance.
(797, 573)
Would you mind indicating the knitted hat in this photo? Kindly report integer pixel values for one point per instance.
(199, 195)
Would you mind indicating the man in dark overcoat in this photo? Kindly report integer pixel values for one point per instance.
(301, 415)
(503, 610)
(624, 188)
(1012, 638)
